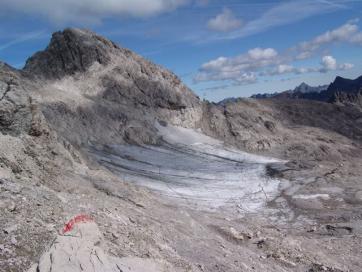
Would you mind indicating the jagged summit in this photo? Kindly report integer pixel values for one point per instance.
(123, 75)
(305, 88)
(346, 85)
(119, 93)
(303, 84)
(69, 51)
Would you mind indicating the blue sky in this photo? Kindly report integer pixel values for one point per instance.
(219, 48)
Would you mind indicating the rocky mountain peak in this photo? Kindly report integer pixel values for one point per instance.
(341, 84)
(302, 87)
(305, 88)
(70, 51)
(129, 76)
(340, 81)
(119, 98)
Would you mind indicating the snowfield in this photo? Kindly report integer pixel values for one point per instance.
(195, 170)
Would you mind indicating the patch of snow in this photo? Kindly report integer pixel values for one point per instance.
(323, 196)
(202, 143)
(195, 170)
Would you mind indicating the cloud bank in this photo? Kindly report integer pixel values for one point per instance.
(240, 69)
(348, 33)
(248, 67)
(224, 22)
(283, 13)
(90, 11)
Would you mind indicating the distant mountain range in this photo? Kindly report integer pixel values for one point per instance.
(297, 92)
(341, 90)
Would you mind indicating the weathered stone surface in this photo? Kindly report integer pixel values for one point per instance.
(70, 51)
(15, 112)
(117, 91)
(81, 250)
(85, 91)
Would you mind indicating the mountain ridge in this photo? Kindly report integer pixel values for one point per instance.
(297, 92)
(69, 51)
(71, 103)
(341, 90)
(113, 87)
(305, 88)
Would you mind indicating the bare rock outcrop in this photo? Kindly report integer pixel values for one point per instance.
(81, 248)
(91, 90)
(84, 91)
(27, 143)
(15, 110)
(70, 51)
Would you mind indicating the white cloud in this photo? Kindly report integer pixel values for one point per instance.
(328, 63)
(346, 66)
(258, 62)
(285, 69)
(344, 33)
(224, 22)
(284, 13)
(357, 39)
(288, 69)
(262, 54)
(304, 55)
(347, 33)
(89, 11)
(240, 69)
(282, 69)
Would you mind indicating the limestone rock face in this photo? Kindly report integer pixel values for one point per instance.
(68, 52)
(26, 141)
(90, 89)
(82, 250)
(15, 108)
(130, 76)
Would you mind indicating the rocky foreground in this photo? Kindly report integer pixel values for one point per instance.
(84, 98)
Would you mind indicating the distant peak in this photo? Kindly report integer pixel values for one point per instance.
(339, 79)
(342, 79)
(84, 36)
(346, 85)
(305, 88)
(69, 51)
